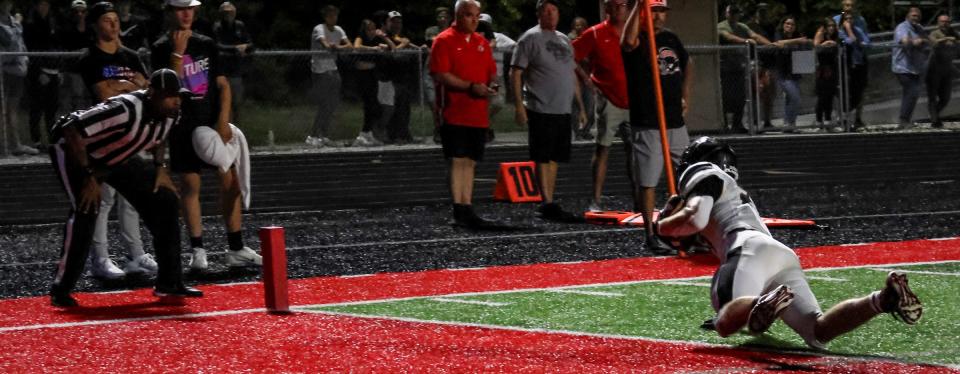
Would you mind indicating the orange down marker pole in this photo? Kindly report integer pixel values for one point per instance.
(274, 251)
(647, 15)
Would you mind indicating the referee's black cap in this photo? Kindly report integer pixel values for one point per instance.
(166, 83)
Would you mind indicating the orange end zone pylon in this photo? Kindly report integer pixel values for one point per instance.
(274, 251)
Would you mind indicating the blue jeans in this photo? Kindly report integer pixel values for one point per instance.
(911, 92)
(791, 104)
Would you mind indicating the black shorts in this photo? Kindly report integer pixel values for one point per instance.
(463, 141)
(183, 158)
(549, 137)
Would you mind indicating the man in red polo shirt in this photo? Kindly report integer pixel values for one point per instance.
(600, 46)
(463, 68)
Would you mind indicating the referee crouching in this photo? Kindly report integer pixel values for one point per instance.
(99, 145)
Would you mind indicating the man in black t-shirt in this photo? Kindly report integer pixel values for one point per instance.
(195, 58)
(109, 69)
(646, 161)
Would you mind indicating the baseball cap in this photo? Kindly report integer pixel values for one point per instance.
(486, 18)
(99, 9)
(394, 14)
(78, 4)
(183, 3)
(659, 4)
(543, 3)
(227, 7)
(166, 83)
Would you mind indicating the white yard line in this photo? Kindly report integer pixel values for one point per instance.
(887, 270)
(676, 283)
(126, 320)
(589, 293)
(470, 302)
(828, 279)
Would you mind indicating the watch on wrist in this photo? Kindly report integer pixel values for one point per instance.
(161, 164)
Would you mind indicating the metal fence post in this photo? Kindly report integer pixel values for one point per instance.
(752, 87)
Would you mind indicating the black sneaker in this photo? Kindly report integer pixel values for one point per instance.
(177, 291)
(656, 245)
(62, 300)
(553, 212)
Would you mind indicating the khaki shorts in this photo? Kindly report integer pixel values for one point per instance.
(609, 119)
(648, 156)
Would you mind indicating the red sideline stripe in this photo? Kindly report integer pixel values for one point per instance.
(313, 343)
(36, 310)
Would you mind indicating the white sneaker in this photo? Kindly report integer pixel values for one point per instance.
(594, 207)
(198, 259)
(366, 139)
(243, 258)
(144, 264)
(25, 150)
(105, 268)
(314, 141)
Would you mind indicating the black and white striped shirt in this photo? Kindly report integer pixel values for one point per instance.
(114, 130)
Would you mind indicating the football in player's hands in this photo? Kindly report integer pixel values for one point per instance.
(674, 204)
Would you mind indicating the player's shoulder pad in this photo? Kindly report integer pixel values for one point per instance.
(702, 178)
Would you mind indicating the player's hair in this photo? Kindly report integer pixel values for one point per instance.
(462, 3)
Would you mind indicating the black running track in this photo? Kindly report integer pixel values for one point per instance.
(370, 212)
(325, 181)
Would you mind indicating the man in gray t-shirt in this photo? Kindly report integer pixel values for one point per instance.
(543, 74)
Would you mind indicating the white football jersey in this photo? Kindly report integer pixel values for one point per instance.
(732, 207)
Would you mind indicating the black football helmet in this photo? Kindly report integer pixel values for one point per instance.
(710, 150)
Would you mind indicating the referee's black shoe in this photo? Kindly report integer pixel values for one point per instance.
(62, 300)
(177, 291)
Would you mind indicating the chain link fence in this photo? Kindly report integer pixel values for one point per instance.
(357, 98)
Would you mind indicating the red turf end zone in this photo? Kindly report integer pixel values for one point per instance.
(29, 341)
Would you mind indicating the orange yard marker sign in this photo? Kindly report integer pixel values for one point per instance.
(517, 183)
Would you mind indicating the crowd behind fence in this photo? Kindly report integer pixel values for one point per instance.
(282, 103)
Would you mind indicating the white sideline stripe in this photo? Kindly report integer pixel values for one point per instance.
(570, 262)
(356, 276)
(127, 320)
(676, 283)
(237, 284)
(112, 292)
(589, 293)
(828, 279)
(471, 302)
(690, 343)
(306, 308)
(887, 270)
(467, 269)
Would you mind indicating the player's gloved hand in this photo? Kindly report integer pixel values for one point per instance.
(674, 203)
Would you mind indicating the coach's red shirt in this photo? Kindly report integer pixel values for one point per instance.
(601, 45)
(468, 56)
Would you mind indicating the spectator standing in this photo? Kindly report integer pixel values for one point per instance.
(235, 46)
(764, 24)
(544, 76)
(14, 72)
(909, 63)
(206, 110)
(82, 163)
(827, 44)
(787, 40)
(733, 66)
(856, 38)
(328, 37)
(76, 35)
(940, 74)
(110, 69)
(40, 34)
(404, 76)
(500, 44)
(443, 21)
(134, 33)
(463, 67)
(599, 49)
(373, 42)
(647, 162)
(581, 131)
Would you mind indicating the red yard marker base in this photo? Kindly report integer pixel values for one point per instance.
(274, 251)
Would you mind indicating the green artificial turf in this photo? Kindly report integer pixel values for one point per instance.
(675, 312)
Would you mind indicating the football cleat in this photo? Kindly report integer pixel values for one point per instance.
(768, 308)
(898, 300)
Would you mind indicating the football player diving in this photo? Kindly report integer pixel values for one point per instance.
(759, 279)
